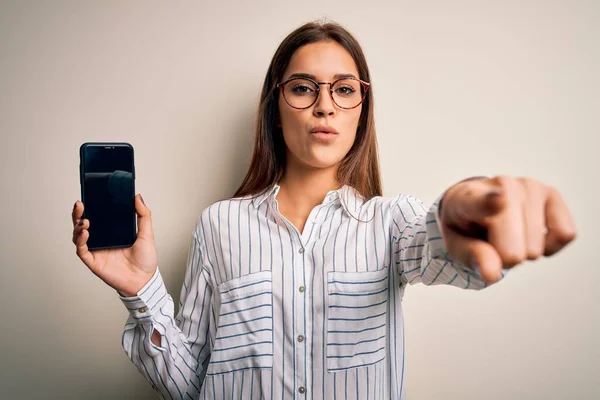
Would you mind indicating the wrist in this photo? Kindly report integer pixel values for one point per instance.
(136, 284)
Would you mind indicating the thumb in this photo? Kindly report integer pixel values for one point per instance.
(144, 218)
(473, 202)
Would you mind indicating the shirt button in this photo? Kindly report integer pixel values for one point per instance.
(143, 309)
(301, 390)
(300, 338)
(301, 250)
(301, 289)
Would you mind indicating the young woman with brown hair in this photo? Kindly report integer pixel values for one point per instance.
(293, 287)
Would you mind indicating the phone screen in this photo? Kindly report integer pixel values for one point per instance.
(107, 179)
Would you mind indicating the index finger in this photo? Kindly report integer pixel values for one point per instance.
(77, 212)
(473, 201)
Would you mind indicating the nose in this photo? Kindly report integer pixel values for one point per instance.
(324, 104)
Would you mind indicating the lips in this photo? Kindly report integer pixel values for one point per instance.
(324, 129)
(323, 133)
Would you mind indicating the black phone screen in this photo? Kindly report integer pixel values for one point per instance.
(108, 191)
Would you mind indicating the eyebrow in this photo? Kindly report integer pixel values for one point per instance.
(310, 76)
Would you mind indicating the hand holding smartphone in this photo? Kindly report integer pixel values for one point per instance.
(107, 177)
(104, 223)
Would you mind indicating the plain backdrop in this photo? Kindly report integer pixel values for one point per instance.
(461, 88)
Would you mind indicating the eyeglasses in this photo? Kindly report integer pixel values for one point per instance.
(302, 93)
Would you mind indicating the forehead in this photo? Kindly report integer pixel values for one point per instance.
(323, 60)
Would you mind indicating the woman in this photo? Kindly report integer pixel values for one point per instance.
(293, 288)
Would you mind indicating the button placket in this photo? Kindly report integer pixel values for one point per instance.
(301, 304)
(301, 288)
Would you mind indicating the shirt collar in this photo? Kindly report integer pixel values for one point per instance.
(347, 195)
(265, 194)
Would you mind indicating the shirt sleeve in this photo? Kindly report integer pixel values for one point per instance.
(176, 368)
(420, 254)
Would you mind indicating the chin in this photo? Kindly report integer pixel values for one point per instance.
(324, 163)
(323, 158)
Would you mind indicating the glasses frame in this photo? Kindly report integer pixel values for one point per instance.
(365, 86)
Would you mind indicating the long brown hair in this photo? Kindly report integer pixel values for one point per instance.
(360, 167)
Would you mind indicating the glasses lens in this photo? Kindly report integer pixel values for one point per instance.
(300, 93)
(347, 93)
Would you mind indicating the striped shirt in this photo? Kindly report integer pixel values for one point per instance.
(267, 312)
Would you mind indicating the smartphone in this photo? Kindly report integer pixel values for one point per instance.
(107, 178)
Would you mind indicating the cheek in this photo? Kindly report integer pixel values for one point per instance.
(293, 123)
(289, 122)
(356, 119)
(352, 127)
(288, 118)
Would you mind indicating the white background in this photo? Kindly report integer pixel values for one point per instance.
(461, 88)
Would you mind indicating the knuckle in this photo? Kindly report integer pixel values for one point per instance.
(512, 258)
(527, 180)
(565, 237)
(552, 190)
(534, 253)
(529, 184)
(503, 181)
(554, 193)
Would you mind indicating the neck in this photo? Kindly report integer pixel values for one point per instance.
(301, 190)
(304, 188)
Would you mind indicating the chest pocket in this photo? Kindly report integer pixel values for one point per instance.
(357, 315)
(245, 332)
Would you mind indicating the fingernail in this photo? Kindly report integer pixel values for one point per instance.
(494, 192)
(80, 222)
(142, 199)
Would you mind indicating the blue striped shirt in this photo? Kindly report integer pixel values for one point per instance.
(267, 312)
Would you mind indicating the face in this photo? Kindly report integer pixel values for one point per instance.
(308, 146)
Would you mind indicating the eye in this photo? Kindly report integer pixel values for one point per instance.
(345, 90)
(301, 89)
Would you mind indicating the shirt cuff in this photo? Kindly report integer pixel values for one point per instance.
(149, 299)
(435, 239)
